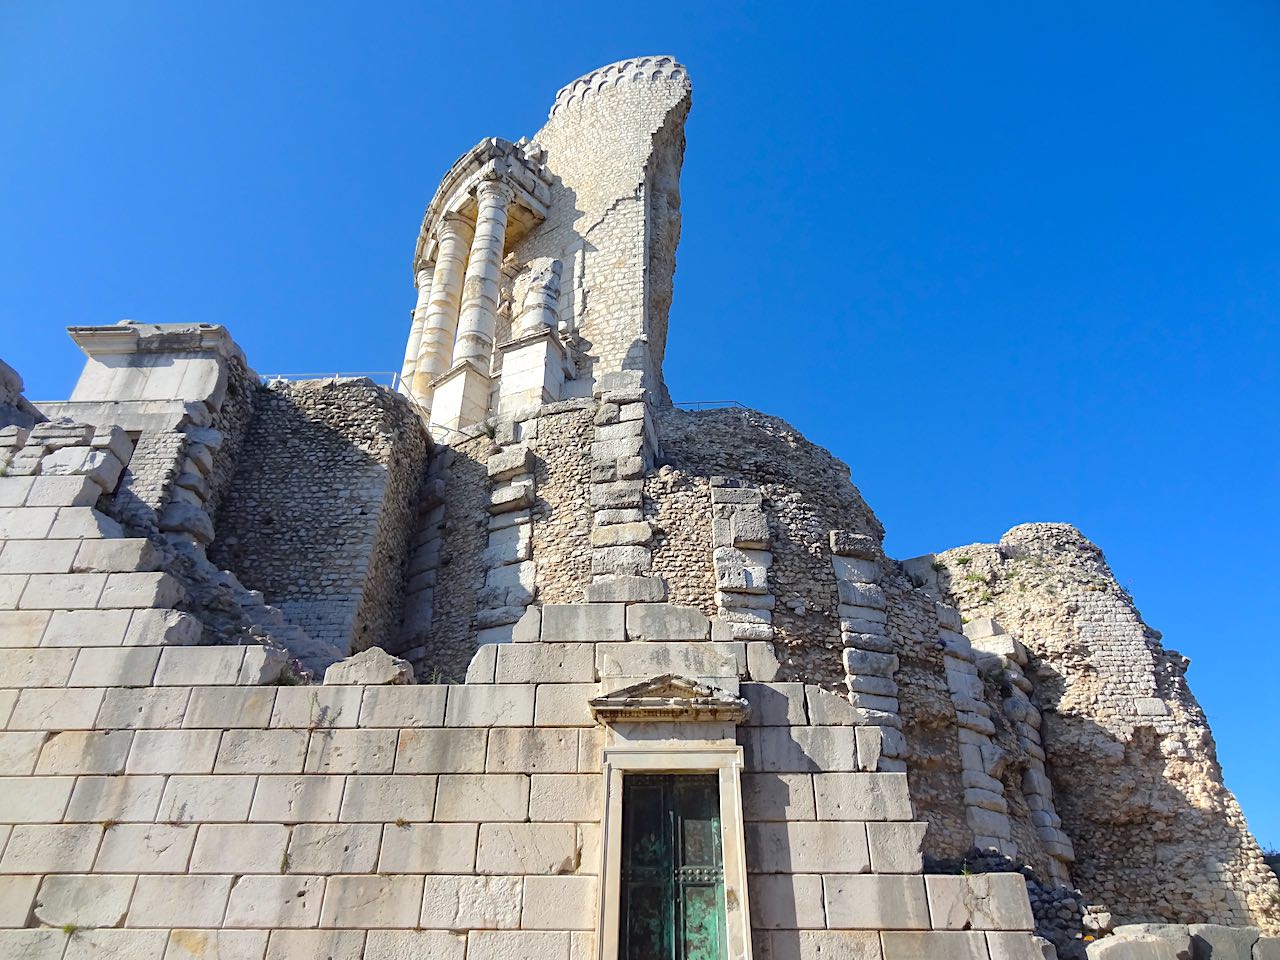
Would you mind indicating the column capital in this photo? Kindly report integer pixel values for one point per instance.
(496, 189)
(454, 226)
(422, 276)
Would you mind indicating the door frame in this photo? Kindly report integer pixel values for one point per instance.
(722, 759)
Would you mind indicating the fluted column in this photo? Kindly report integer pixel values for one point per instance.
(424, 278)
(480, 289)
(436, 349)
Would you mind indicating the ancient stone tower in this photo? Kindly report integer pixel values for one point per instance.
(517, 660)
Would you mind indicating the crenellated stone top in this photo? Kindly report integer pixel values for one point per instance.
(636, 69)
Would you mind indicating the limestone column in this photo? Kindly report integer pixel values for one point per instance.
(480, 289)
(425, 274)
(436, 346)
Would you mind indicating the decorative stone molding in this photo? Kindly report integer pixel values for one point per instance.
(670, 698)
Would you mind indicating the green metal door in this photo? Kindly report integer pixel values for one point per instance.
(672, 869)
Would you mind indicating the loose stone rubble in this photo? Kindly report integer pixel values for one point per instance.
(324, 668)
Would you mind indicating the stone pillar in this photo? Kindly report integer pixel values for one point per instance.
(436, 345)
(480, 289)
(424, 279)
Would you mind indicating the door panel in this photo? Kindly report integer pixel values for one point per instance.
(672, 868)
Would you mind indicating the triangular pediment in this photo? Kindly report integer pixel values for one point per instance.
(667, 698)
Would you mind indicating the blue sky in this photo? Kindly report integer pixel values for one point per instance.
(1011, 262)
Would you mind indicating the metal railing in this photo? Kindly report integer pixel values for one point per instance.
(388, 378)
(708, 404)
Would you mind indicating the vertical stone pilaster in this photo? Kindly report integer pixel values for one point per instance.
(740, 537)
(869, 660)
(435, 349)
(481, 286)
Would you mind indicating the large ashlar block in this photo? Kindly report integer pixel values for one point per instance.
(199, 666)
(565, 797)
(875, 902)
(83, 901)
(34, 799)
(472, 903)
(775, 704)
(490, 797)
(173, 751)
(51, 848)
(583, 622)
(38, 556)
(777, 796)
(156, 590)
(461, 398)
(528, 848)
(800, 749)
(54, 709)
(458, 750)
(149, 628)
(665, 621)
(694, 660)
(17, 894)
(115, 667)
(492, 705)
(407, 944)
(216, 944)
(982, 901)
(235, 848)
(1025, 946)
(36, 668)
(146, 847)
(230, 707)
(372, 901)
(63, 591)
(821, 945)
(317, 707)
(86, 628)
(525, 750)
(448, 848)
(18, 752)
(564, 704)
(22, 628)
(928, 945)
(862, 796)
(782, 901)
(388, 799)
(545, 663)
(324, 848)
(627, 589)
(178, 901)
(326, 944)
(194, 799)
(282, 901)
(34, 944)
(415, 705)
(121, 799)
(559, 903)
(261, 751)
(807, 848)
(352, 751)
(116, 556)
(85, 752)
(518, 945)
(895, 847)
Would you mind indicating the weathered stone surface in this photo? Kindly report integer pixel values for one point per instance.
(982, 901)
(373, 666)
(627, 589)
(583, 622)
(472, 903)
(876, 902)
(664, 621)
